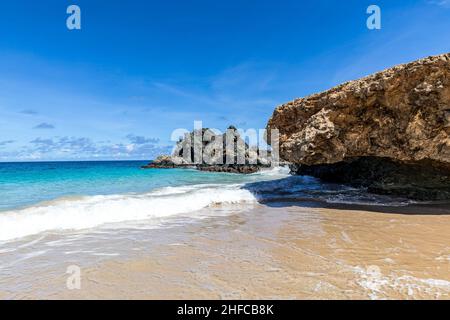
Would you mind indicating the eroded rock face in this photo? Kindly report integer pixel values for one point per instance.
(400, 114)
(420, 180)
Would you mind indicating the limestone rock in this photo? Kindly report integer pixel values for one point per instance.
(401, 114)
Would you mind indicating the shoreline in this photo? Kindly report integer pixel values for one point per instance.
(419, 208)
(287, 250)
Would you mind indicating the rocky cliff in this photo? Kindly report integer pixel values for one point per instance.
(397, 120)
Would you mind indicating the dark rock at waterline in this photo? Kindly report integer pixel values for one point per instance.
(423, 180)
(162, 162)
(243, 169)
(166, 162)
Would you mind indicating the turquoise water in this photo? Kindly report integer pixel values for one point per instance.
(58, 196)
(24, 184)
(44, 197)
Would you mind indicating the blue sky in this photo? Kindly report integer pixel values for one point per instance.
(137, 70)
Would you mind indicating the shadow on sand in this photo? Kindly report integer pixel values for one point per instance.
(305, 191)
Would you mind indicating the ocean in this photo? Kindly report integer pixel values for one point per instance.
(45, 196)
(183, 233)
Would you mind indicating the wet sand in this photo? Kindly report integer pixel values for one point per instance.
(281, 251)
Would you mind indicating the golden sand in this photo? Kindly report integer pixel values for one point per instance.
(288, 251)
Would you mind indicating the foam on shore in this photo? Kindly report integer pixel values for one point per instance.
(93, 211)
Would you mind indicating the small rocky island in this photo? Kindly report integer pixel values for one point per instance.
(241, 158)
(388, 132)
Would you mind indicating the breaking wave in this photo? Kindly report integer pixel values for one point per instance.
(88, 212)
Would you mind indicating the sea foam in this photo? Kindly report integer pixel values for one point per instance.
(93, 211)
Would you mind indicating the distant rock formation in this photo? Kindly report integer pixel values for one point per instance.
(167, 162)
(388, 131)
(226, 152)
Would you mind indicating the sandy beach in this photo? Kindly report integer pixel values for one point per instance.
(272, 251)
(225, 150)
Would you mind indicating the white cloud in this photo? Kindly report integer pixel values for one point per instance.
(5, 142)
(66, 148)
(44, 125)
(441, 3)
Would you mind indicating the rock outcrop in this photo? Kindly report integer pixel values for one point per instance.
(395, 121)
(167, 162)
(235, 155)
